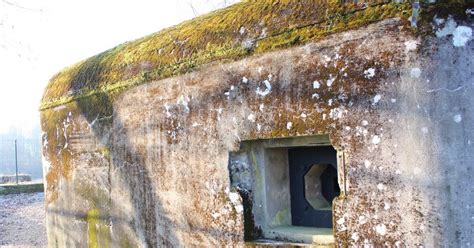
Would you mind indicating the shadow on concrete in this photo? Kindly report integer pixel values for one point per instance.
(132, 171)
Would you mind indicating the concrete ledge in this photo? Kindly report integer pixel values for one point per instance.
(301, 234)
(282, 244)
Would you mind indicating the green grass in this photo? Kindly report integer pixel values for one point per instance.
(21, 188)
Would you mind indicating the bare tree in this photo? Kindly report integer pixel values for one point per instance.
(15, 5)
(192, 8)
(199, 7)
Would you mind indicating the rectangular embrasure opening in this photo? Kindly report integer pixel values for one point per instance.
(288, 186)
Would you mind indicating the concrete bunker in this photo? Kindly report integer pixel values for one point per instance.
(136, 140)
(288, 186)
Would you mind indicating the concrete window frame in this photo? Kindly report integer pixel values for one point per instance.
(260, 169)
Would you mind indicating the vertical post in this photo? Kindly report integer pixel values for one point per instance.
(16, 162)
(415, 13)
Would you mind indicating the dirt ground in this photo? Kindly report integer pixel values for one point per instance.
(22, 220)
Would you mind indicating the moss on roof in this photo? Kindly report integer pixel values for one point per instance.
(246, 28)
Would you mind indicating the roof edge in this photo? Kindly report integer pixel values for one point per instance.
(342, 18)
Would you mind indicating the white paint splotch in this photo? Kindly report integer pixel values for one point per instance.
(415, 72)
(183, 100)
(381, 186)
(462, 35)
(411, 45)
(330, 80)
(316, 85)
(377, 98)
(251, 117)
(376, 140)
(369, 73)
(448, 28)
(367, 163)
(381, 229)
(457, 118)
(266, 91)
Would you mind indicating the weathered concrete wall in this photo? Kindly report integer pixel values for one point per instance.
(151, 166)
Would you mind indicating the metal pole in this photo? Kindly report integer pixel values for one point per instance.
(16, 162)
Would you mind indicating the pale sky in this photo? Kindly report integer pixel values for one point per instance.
(40, 37)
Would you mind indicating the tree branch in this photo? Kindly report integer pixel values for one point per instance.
(192, 8)
(17, 5)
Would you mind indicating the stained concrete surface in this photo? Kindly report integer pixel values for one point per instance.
(153, 171)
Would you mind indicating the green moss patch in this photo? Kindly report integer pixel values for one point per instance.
(243, 29)
(98, 231)
(96, 108)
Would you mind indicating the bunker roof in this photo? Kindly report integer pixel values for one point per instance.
(243, 29)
